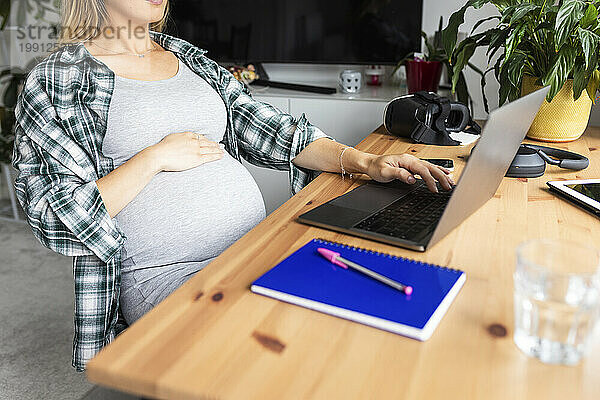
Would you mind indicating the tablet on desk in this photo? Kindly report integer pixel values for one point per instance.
(583, 192)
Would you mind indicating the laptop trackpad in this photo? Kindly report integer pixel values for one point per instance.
(372, 197)
(329, 214)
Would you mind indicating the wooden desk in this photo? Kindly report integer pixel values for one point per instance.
(213, 338)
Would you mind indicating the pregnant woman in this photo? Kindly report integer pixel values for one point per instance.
(128, 146)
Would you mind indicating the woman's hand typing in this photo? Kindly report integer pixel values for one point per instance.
(404, 166)
(326, 155)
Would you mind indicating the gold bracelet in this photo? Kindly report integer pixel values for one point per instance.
(342, 165)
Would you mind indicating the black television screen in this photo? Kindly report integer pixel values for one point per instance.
(303, 31)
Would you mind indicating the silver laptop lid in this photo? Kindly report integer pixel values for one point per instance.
(504, 131)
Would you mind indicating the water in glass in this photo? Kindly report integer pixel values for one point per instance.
(556, 302)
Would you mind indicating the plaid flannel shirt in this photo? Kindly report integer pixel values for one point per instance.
(61, 122)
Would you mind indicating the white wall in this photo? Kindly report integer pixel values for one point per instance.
(432, 9)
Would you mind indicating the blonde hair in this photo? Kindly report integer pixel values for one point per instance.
(83, 20)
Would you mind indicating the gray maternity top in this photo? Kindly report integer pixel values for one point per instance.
(181, 220)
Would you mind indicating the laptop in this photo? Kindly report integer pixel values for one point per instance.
(411, 216)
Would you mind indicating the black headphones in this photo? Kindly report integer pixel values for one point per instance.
(530, 161)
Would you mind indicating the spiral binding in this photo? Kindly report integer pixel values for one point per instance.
(377, 253)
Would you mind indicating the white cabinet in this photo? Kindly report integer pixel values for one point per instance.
(348, 122)
(346, 118)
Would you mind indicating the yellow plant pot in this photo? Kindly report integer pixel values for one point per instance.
(561, 120)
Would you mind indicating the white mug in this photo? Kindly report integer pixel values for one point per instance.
(350, 81)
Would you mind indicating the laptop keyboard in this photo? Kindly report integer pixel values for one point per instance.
(410, 217)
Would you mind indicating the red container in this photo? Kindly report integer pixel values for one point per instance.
(423, 75)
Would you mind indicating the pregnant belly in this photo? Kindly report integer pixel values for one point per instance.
(191, 215)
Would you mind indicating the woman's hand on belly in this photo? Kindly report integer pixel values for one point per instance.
(186, 150)
(176, 152)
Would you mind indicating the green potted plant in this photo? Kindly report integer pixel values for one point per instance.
(543, 43)
(424, 70)
(12, 78)
(434, 60)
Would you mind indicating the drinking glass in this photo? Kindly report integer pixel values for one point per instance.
(557, 297)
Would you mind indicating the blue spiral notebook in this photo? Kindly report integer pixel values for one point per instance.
(307, 279)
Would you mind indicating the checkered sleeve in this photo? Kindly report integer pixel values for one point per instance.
(95, 307)
(268, 137)
(57, 192)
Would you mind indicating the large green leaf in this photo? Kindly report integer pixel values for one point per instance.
(505, 87)
(501, 75)
(590, 18)
(497, 39)
(589, 43)
(569, 15)
(539, 2)
(560, 70)
(507, 13)
(593, 84)
(479, 39)
(522, 10)
(450, 33)
(467, 47)
(515, 65)
(580, 80)
(462, 92)
(4, 12)
(514, 39)
(504, 4)
(481, 21)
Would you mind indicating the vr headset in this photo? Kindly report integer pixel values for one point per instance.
(428, 118)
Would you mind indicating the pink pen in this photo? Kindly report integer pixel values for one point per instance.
(336, 259)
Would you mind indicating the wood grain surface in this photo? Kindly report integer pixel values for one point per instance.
(213, 338)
